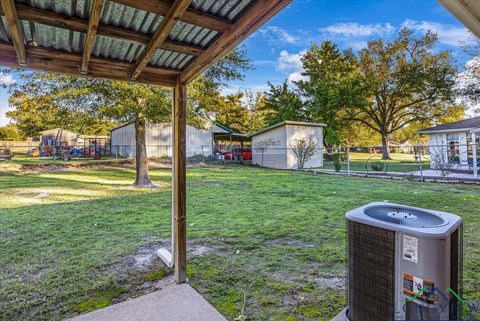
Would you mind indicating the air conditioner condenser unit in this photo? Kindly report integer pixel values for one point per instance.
(404, 263)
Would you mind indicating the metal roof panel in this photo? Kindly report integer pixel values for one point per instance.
(78, 8)
(119, 15)
(107, 47)
(227, 9)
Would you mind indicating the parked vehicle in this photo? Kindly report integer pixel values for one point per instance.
(237, 153)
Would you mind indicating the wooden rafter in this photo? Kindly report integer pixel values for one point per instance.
(260, 13)
(50, 60)
(195, 17)
(177, 9)
(93, 22)
(10, 13)
(78, 24)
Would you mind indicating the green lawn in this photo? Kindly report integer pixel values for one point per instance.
(399, 163)
(67, 238)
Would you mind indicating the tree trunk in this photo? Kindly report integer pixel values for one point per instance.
(141, 161)
(385, 149)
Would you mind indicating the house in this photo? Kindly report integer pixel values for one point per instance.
(454, 142)
(273, 146)
(159, 140)
(405, 147)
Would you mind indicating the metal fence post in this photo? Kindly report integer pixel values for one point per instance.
(474, 152)
(421, 164)
(348, 160)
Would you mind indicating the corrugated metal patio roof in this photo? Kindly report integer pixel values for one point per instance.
(127, 17)
(153, 41)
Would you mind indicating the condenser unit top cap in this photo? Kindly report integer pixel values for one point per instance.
(407, 219)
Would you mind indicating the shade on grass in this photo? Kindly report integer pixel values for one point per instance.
(277, 236)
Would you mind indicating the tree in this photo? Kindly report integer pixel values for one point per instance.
(33, 114)
(136, 103)
(283, 103)
(333, 85)
(408, 83)
(10, 132)
(304, 150)
(468, 83)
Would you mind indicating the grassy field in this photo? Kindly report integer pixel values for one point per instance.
(71, 241)
(399, 163)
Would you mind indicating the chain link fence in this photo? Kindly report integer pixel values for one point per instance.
(453, 161)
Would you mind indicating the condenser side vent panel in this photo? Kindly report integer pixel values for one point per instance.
(371, 272)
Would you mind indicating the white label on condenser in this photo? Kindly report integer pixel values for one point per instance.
(410, 248)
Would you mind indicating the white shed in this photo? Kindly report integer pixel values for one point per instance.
(273, 146)
(159, 140)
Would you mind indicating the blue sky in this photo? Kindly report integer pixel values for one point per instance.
(277, 47)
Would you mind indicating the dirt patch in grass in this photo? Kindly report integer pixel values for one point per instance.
(142, 271)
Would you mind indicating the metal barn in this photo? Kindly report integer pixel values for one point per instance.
(159, 140)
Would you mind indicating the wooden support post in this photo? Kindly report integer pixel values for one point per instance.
(179, 182)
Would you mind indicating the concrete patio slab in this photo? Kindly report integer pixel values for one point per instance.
(173, 303)
(342, 316)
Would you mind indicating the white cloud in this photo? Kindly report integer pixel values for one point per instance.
(6, 79)
(287, 61)
(447, 34)
(278, 35)
(292, 63)
(297, 76)
(354, 29)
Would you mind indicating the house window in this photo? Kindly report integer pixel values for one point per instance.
(453, 148)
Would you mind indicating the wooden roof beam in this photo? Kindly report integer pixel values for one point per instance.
(193, 16)
(93, 22)
(176, 11)
(260, 13)
(74, 23)
(10, 13)
(50, 60)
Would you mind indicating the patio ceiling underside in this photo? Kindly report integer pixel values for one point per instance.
(467, 11)
(160, 42)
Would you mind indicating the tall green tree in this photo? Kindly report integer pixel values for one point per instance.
(333, 85)
(409, 83)
(11, 133)
(33, 114)
(284, 103)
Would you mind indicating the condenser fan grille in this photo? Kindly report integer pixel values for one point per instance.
(405, 216)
